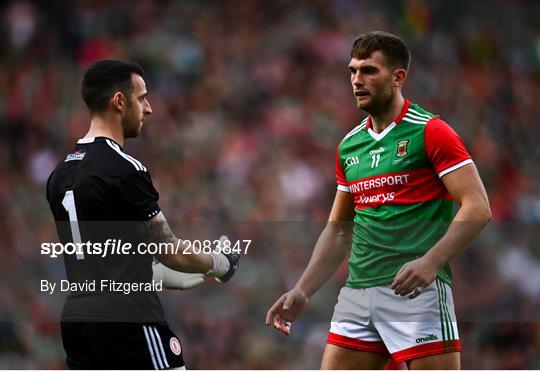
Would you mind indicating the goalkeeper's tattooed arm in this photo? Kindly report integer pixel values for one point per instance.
(331, 249)
(221, 265)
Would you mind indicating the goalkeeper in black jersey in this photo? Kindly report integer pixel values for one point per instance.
(98, 193)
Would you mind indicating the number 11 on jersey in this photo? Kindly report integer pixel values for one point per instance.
(69, 204)
(375, 160)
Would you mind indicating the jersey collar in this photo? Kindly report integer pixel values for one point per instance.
(382, 134)
(95, 139)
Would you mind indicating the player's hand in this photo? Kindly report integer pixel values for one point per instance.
(286, 309)
(225, 264)
(176, 280)
(414, 277)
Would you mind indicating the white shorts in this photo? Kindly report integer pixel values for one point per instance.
(377, 320)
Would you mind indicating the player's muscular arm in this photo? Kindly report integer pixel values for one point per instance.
(157, 230)
(466, 188)
(330, 250)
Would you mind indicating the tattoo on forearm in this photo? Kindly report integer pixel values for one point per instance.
(157, 230)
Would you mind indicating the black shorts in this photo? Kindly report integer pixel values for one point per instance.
(98, 345)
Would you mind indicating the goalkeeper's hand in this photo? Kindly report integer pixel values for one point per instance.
(176, 280)
(225, 264)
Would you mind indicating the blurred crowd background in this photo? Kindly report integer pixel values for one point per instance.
(250, 99)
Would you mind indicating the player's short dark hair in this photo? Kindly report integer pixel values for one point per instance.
(104, 78)
(394, 49)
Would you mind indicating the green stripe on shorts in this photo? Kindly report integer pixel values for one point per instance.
(437, 281)
(449, 343)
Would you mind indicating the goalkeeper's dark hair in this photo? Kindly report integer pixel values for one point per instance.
(104, 78)
(394, 49)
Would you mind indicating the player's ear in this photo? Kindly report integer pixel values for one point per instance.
(400, 75)
(118, 101)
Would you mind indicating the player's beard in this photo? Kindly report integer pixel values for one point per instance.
(131, 124)
(379, 102)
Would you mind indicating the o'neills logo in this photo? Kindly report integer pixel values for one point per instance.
(76, 156)
(402, 148)
(375, 151)
(430, 337)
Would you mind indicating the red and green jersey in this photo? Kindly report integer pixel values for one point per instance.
(402, 208)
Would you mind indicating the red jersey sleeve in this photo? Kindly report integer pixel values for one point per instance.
(340, 175)
(444, 148)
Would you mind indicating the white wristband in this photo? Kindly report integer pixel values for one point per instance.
(221, 265)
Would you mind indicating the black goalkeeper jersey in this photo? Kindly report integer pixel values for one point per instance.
(99, 193)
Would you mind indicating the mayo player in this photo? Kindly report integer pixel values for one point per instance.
(398, 175)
